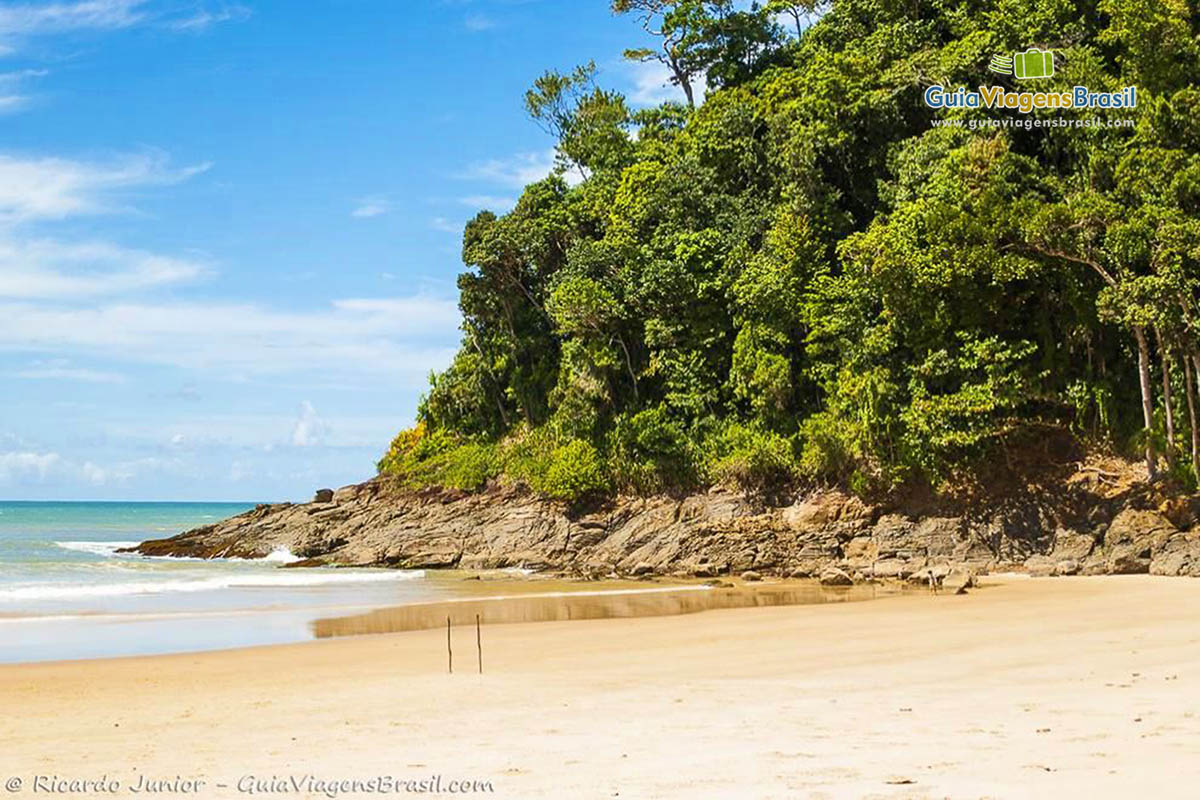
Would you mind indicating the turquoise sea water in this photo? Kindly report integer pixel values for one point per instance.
(66, 593)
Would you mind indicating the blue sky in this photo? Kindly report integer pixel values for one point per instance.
(229, 232)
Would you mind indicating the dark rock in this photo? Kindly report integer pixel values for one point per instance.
(1069, 544)
(826, 535)
(1179, 555)
(1124, 560)
(323, 496)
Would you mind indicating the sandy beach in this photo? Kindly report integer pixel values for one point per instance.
(1023, 688)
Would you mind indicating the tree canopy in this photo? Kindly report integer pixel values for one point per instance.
(809, 274)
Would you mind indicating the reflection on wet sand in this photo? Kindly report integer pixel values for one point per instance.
(582, 604)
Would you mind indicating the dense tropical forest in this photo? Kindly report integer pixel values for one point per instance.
(801, 272)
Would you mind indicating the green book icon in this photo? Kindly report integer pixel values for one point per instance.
(1033, 63)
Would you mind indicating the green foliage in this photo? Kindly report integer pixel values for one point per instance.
(575, 471)
(749, 457)
(649, 452)
(570, 470)
(419, 457)
(831, 449)
(798, 277)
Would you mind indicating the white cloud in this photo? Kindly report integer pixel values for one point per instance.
(16, 77)
(45, 189)
(517, 171)
(405, 336)
(445, 225)
(478, 22)
(371, 206)
(16, 465)
(60, 370)
(203, 20)
(248, 433)
(38, 18)
(651, 84)
(11, 85)
(491, 202)
(27, 468)
(310, 429)
(98, 476)
(54, 188)
(44, 268)
(19, 21)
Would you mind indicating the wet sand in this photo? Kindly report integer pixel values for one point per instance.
(563, 602)
(1023, 689)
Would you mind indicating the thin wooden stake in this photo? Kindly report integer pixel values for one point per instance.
(479, 644)
(449, 651)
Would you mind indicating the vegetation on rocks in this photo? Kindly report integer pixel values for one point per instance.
(807, 274)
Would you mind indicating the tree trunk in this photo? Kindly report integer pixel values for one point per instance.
(629, 366)
(686, 85)
(681, 77)
(1139, 334)
(1189, 382)
(1167, 397)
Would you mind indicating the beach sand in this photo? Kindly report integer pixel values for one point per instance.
(1025, 688)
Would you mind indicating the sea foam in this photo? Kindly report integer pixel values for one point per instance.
(284, 580)
(280, 555)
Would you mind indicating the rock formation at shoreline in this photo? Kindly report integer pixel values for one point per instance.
(1085, 525)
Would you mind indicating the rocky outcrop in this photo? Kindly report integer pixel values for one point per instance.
(826, 535)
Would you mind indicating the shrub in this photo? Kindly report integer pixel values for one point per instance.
(526, 455)
(469, 466)
(749, 457)
(829, 447)
(410, 451)
(419, 457)
(575, 471)
(650, 452)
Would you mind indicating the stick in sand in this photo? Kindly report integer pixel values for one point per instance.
(449, 651)
(479, 644)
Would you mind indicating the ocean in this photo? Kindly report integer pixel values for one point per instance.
(66, 593)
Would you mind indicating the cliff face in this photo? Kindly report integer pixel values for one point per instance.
(1085, 525)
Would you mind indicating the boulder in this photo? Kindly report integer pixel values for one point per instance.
(1142, 529)
(833, 576)
(1066, 566)
(1073, 545)
(750, 576)
(1127, 560)
(1183, 512)
(826, 510)
(1179, 555)
(1040, 566)
(345, 494)
(1132, 537)
(958, 581)
(889, 568)
(323, 496)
